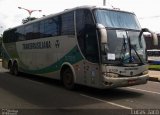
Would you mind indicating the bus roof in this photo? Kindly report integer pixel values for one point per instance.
(68, 10)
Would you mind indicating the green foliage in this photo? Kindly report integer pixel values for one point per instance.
(28, 19)
(1, 36)
(154, 67)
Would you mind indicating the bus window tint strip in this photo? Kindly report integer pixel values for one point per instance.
(54, 26)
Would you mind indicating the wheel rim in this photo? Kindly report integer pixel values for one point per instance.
(68, 80)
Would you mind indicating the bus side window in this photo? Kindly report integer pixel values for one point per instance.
(42, 33)
(55, 26)
(86, 35)
(52, 27)
(67, 24)
(36, 33)
(10, 36)
(29, 31)
(20, 34)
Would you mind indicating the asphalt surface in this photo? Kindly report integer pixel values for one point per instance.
(28, 94)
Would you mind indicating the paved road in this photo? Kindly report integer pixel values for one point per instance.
(41, 95)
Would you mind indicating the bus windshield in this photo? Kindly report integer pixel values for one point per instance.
(123, 43)
(116, 19)
(125, 49)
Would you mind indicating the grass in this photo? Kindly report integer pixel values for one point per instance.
(154, 67)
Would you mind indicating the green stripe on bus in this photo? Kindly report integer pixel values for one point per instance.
(72, 57)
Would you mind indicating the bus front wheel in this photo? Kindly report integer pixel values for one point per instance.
(68, 79)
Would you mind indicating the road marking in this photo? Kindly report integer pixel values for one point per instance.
(104, 101)
(143, 90)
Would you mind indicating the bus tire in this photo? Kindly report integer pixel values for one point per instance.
(15, 69)
(68, 79)
(10, 68)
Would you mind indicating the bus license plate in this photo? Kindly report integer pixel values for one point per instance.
(132, 81)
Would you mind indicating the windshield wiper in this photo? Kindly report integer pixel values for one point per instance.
(137, 54)
(123, 50)
(130, 54)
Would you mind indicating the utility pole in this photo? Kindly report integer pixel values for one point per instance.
(104, 2)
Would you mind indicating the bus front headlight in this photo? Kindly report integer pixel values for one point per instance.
(113, 75)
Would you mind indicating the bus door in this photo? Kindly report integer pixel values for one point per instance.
(87, 40)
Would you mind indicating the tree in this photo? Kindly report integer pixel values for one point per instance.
(1, 36)
(28, 19)
(1, 44)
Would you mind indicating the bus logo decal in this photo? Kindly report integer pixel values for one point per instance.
(57, 44)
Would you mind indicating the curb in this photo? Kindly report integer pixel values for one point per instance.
(154, 69)
(154, 79)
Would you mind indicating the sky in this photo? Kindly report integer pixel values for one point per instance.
(147, 11)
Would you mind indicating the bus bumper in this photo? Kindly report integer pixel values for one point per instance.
(125, 81)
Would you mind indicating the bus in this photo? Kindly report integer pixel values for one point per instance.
(88, 45)
(153, 56)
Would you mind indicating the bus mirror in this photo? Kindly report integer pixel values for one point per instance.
(103, 33)
(155, 39)
(154, 36)
(100, 26)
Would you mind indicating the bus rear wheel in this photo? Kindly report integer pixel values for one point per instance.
(10, 68)
(68, 79)
(15, 69)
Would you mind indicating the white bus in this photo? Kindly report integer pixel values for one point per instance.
(89, 45)
(154, 56)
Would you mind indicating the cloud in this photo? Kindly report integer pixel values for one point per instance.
(2, 23)
(11, 16)
(8, 14)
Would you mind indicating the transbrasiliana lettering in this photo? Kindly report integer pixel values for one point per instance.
(37, 45)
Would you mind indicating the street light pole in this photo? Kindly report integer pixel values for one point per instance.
(29, 11)
(104, 2)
